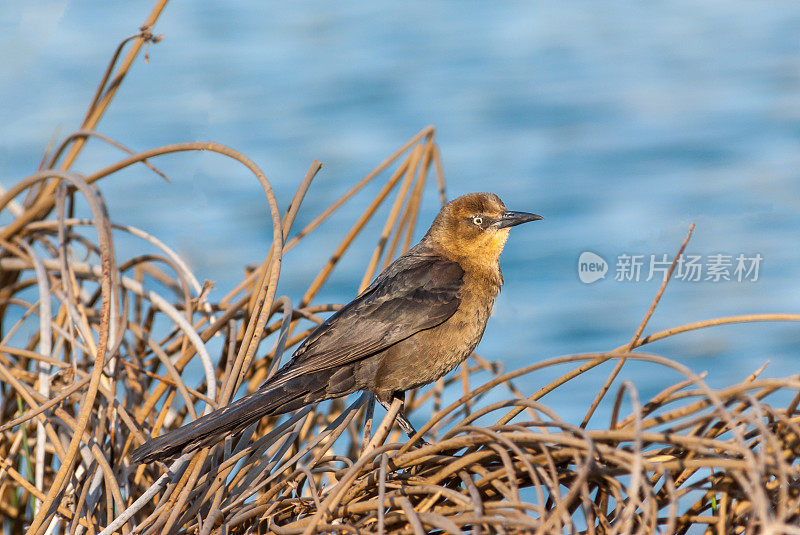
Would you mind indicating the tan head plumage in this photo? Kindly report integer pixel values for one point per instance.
(474, 228)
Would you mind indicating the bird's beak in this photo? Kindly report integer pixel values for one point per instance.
(511, 219)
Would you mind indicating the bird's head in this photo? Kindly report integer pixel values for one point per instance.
(475, 226)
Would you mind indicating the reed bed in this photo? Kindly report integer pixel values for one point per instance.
(98, 353)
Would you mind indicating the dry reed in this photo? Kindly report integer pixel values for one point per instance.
(93, 352)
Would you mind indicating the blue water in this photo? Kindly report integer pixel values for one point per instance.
(621, 123)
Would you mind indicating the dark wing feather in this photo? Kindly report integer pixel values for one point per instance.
(418, 291)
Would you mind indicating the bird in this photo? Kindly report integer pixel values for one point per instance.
(418, 320)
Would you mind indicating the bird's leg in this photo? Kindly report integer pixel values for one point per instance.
(370, 411)
(401, 419)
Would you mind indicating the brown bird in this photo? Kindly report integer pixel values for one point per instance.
(418, 320)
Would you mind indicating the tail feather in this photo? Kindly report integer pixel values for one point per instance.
(214, 427)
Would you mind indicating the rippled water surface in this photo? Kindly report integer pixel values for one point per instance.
(620, 123)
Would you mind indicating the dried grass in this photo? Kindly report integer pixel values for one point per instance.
(93, 352)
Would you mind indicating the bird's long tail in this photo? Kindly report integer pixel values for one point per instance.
(214, 427)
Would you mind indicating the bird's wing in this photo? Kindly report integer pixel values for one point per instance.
(417, 292)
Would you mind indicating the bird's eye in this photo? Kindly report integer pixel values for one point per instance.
(478, 220)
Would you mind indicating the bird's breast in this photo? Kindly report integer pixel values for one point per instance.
(432, 353)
